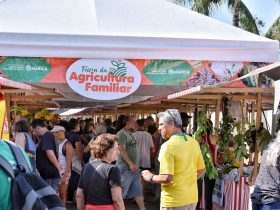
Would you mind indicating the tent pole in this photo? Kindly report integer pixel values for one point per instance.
(7, 98)
(217, 113)
(258, 123)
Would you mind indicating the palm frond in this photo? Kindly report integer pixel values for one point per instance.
(274, 30)
(247, 21)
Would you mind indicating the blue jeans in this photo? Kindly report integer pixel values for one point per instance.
(270, 206)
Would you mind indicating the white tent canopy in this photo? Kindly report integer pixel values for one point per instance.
(154, 29)
(146, 29)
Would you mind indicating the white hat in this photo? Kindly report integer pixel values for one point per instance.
(57, 128)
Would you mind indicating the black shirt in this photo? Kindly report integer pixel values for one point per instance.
(73, 137)
(111, 130)
(46, 169)
(97, 184)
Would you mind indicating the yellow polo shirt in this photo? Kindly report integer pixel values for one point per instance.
(181, 159)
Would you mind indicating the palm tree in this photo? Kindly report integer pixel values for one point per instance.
(241, 14)
(274, 30)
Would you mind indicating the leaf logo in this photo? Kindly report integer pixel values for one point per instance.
(119, 68)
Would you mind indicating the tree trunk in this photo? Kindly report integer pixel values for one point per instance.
(236, 14)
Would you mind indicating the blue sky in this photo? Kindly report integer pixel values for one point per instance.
(266, 10)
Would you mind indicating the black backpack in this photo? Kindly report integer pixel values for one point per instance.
(29, 191)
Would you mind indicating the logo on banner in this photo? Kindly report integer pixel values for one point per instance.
(103, 79)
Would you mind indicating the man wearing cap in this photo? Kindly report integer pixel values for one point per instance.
(46, 155)
(65, 153)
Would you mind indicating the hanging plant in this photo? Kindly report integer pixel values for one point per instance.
(204, 126)
(225, 133)
(263, 138)
(240, 147)
(250, 138)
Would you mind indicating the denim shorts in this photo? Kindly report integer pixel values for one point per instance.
(53, 183)
(131, 184)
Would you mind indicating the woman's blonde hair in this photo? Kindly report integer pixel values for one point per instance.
(272, 152)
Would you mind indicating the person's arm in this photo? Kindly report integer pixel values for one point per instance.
(87, 149)
(69, 155)
(20, 140)
(83, 139)
(200, 173)
(117, 197)
(157, 179)
(125, 156)
(78, 145)
(52, 158)
(80, 199)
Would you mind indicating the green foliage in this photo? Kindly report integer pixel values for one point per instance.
(250, 137)
(274, 30)
(240, 150)
(263, 138)
(211, 170)
(206, 7)
(204, 125)
(226, 126)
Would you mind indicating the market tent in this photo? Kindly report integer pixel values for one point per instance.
(124, 29)
(155, 29)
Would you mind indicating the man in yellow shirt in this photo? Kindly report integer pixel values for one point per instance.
(181, 164)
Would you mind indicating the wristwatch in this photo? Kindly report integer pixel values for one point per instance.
(151, 179)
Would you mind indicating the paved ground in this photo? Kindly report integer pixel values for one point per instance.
(131, 206)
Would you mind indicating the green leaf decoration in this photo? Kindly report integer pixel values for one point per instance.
(114, 63)
(166, 72)
(25, 69)
(121, 65)
(120, 69)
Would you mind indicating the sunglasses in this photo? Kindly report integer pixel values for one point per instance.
(174, 119)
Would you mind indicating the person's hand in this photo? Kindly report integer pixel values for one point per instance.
(133, 167)
(63, 179)
(59, 168)
(146, 174)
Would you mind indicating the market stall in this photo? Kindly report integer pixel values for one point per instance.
(5, 100)
(106, 53)
(233, 132)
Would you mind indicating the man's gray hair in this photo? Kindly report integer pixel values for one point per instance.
(171, 115)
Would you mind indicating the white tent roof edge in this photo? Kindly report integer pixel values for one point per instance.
(135, 47)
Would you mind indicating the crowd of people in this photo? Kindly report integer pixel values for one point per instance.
(98, 165)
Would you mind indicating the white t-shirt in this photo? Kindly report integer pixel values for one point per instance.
(61, 157)
(144, 143)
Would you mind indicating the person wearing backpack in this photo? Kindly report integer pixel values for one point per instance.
(20, 187)
(22, 138)
(46, 155)
(65, 153)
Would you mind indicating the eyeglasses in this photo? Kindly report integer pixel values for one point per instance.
(174, 119)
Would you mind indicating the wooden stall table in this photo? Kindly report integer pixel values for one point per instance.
(236, 195)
